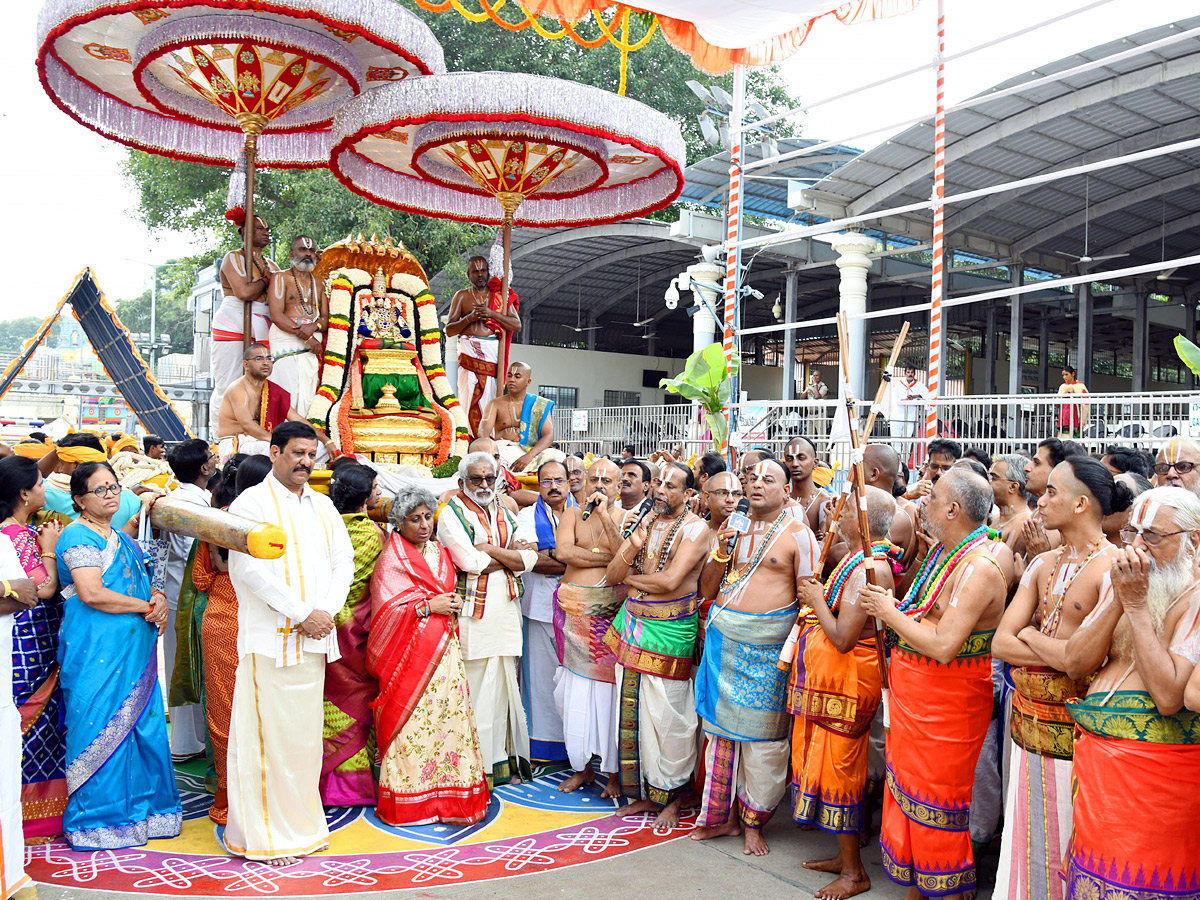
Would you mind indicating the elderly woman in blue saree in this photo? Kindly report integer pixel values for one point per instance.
(120, 784)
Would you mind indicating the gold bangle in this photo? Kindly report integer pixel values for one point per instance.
(712, 554)
(628, 562)
(51, 555)
(8, 591)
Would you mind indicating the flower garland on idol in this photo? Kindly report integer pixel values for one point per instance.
(412, 296)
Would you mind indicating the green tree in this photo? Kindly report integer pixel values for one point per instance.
(187, 196)
(15, 332)
(175, 281)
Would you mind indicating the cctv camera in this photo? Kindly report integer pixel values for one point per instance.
(672, 295)
(754, 292)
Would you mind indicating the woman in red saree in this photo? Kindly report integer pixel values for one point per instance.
(431, 768)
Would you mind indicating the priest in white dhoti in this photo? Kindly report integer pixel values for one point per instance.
(17, 591)
(285, 636)
(909, 396)
(299, 316)
(536, 526)
(228, 320)
(481, 537)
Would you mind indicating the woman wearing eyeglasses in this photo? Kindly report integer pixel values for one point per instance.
(431, 768)
(120, 784)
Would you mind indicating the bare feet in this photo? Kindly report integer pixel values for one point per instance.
(515, 780)
(755, 845)
(832, 865)
(641, 806)
(612, 790)
(669, 817)
(844, 886)
(280, 861)
(731, 828)
(578, 780)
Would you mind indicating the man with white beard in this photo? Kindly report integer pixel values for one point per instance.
(481, 537)
(299, 316)
(1136, 819)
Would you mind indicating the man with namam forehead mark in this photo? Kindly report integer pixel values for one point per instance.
(585, 602)
(1135, 823)
(740, 692)
(654, 639)
(1058, 590)
(941, 690)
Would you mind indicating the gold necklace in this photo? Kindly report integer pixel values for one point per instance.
(595, 540)
(101, 528)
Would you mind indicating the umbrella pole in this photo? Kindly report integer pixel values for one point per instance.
(509, 201)
(252, 125)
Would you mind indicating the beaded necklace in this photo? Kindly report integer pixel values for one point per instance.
(837, 578)
(732, 577)
(1050, 622)
(933, 576)
(664, 547)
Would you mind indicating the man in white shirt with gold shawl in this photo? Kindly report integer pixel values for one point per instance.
(285, 636)
(481, 537)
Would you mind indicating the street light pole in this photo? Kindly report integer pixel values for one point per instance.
(153, 313)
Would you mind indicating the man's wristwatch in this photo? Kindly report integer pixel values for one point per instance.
(550, 553)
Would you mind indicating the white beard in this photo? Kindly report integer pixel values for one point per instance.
(1167, 582)
(483, 497)
(303, 265)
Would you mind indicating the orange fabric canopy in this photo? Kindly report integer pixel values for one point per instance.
(718, 34)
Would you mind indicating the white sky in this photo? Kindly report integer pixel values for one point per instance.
(67, 205)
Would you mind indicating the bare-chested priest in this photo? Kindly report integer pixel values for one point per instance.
(1058, 590)
(520, 423)
(299, 316)
(1135, 828)
(586, 692)
(753, 577)
(253, 406)
(479, 324)
(239, 287)
(941, 689)
(654, 637)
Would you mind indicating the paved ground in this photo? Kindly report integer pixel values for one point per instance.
(679, 869)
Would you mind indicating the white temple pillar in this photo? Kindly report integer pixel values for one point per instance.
(704, 326)
(852, 250)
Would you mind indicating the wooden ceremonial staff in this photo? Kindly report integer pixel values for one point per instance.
(859, 470)
(225, 529)
(787, 657)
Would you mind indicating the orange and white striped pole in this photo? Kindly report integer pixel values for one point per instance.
(733, 237)
(939, 224)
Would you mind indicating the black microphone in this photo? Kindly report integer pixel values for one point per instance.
(587, 510)
(743, 507)
(643, 511)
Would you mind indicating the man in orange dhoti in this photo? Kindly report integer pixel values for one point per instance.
(941, 690)
(841, 692)
(1136, 776)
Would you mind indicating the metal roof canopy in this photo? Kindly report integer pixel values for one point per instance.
(605, 275)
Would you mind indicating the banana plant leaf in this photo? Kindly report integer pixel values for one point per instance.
(706, 379)
(1188, 352)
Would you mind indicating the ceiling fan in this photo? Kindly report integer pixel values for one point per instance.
(1087, 258)
(577, 328)
(641, 323)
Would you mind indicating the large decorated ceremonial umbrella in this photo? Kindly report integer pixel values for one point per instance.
(504, 149)
(212, 80)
